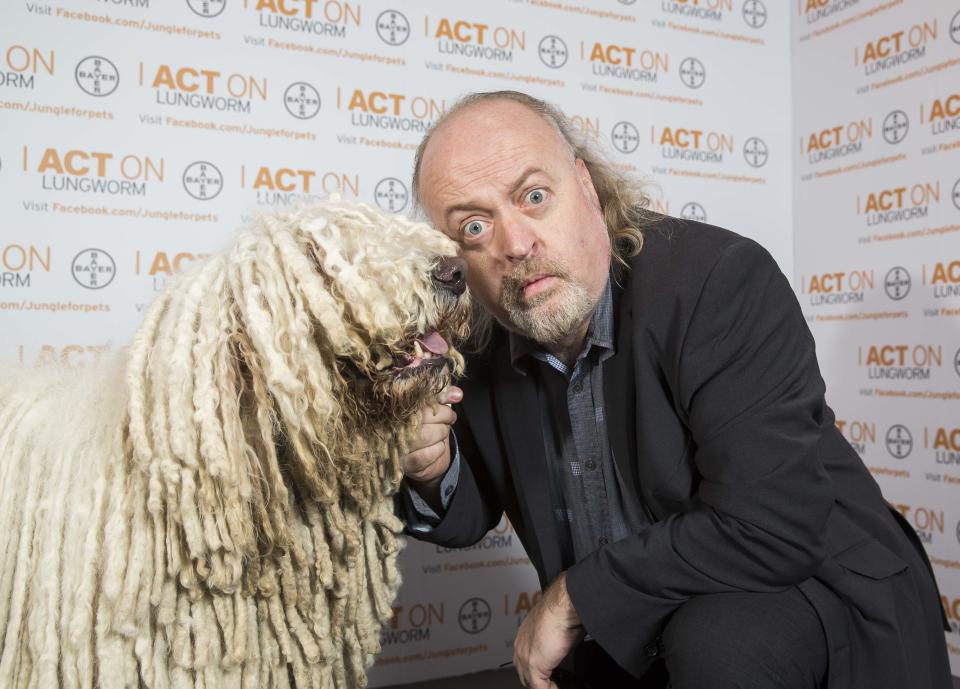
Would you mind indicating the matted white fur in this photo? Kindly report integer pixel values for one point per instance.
(212, 506)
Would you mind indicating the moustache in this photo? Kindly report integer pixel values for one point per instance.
(511, 289)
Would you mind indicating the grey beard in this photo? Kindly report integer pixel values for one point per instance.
(542, 324)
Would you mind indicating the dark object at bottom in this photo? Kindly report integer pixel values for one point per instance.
(594, 669)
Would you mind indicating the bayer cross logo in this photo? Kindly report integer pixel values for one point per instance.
(955, 28)
(301, 100)
(895, 127)
(552, 51)
(955, 194)
(474, 615)
(97, 76)
(693, 211)
(754, 13)
(897, 283)
(207, 8)
(202, 180)
(626, 2)
(393, 27)
(755, 152)
(956, 362)
(625, 137)
(391, 194)
(899, 441)
(692, 73)
(93, 268)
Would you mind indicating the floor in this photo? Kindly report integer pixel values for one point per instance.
(500, 679)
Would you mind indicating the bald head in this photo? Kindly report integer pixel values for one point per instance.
(551, 115)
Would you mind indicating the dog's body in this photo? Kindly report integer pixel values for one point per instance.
(212, 508)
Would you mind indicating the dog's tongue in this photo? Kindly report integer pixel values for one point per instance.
(434, 342)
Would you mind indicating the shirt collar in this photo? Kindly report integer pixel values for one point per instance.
(599, 333)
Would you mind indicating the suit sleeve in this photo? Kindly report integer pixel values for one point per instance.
(471, 509)
(749, 383)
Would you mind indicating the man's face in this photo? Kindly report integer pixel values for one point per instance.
(501, 182)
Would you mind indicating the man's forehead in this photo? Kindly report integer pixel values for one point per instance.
(469, 150)
(465, 181)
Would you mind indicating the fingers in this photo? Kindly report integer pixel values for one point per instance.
(429, 454)
(430, 434)
(440, 411)
(422, 464)
(438, 414)
(532, 679)
(450, 395)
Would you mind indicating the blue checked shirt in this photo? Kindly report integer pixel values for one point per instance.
(588, 501)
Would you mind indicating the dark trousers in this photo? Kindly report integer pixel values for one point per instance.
(724, 641)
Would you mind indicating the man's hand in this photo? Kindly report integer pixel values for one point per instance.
(429, 455)
(547, 634)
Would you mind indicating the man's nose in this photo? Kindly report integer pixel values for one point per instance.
(517, 238)
(450, 274)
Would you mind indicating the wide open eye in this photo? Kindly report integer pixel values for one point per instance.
(474, 229)
(536, 197)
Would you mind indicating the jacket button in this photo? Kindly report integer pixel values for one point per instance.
(591, 465)
(651, 650)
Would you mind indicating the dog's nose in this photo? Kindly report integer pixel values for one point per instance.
(450, 273)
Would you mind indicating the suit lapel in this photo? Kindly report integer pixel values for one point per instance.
(620, 394)
(518, 408)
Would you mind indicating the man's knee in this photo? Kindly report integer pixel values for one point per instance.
(745, 640)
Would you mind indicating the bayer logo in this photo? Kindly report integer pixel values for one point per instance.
(393, 27)
(895, 127)
(207, 8)
(955, 194)
(755, 152)
(301, 100)
(956, 362)
(202, 180)
(552, 51)
(93, 268)
(955, 28)
(693, 211)
(97, 76)
(391, 194)
(754, 13)
(692, 73)
(626, 2)
(899, 441)
(897, 283)
(474, 615)
(625, 137)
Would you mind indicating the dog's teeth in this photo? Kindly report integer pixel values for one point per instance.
(417, 349)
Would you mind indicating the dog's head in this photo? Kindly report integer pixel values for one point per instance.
(346, 321)
(294, 363)
(398, 291)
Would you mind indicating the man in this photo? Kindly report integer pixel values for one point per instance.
(648, 410)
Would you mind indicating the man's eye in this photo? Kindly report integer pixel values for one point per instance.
(473, 228)
(536, 197)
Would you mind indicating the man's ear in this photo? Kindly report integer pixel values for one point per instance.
(587, 182)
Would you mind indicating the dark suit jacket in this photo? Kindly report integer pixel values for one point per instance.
(718, 423)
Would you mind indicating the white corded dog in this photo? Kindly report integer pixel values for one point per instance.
(213, 507)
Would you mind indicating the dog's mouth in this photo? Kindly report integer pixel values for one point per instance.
(424, 351)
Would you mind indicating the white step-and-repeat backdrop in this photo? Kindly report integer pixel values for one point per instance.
(137, 135)
(876, 108)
